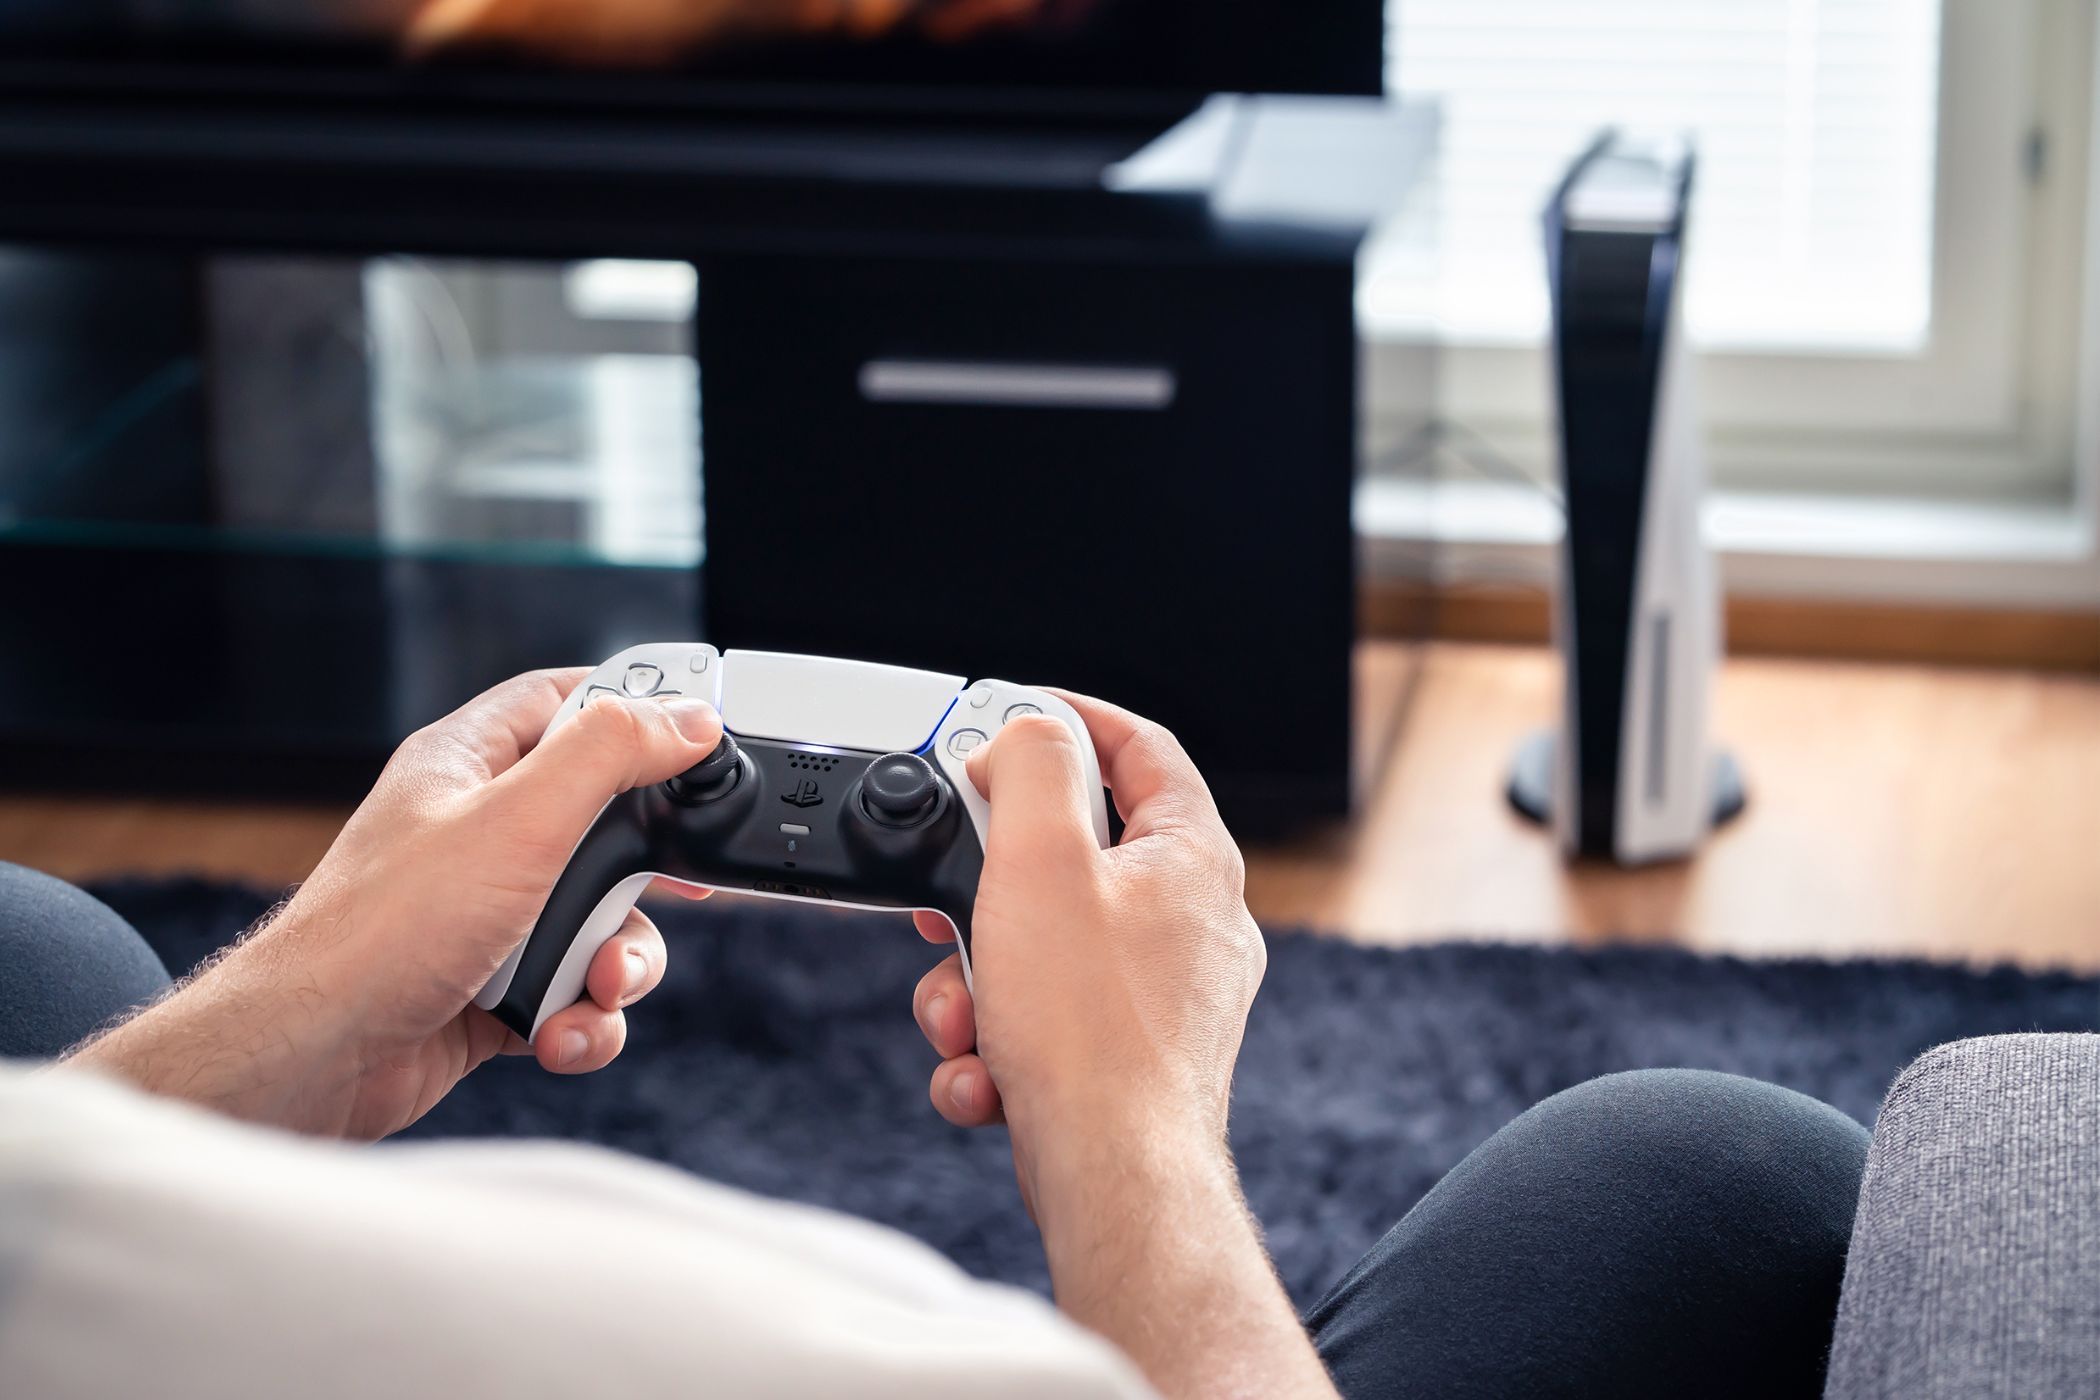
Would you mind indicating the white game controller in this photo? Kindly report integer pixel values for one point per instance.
(837, 782)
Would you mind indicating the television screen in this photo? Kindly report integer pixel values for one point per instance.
(1091, 52)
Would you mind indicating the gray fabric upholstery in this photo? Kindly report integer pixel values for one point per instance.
(1975, 1261)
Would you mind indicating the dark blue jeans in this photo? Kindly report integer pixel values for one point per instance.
(67, 964)
(1664, 1232)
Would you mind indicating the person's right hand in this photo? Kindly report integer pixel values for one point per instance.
(1112, 987)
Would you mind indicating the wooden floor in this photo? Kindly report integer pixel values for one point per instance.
(1894, 810)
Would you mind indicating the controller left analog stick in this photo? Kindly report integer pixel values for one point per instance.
(712, 777)
(899, 790)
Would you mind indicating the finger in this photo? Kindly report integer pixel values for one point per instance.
(963, 1093)
(932, 927)
(1032, 776)
(583, 1038)
(612, 744)
(941, 1004)
(509, 1042)
(695, 893)
(1154, 783)
(628, 965)
(491, 732)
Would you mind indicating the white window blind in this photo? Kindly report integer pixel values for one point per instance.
(1815, 124)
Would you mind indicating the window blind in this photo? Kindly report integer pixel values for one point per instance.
(1815, 125)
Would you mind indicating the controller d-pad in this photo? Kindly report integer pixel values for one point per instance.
(641, 679)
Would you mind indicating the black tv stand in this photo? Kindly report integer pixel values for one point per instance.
(221, 174)
(1124, 408)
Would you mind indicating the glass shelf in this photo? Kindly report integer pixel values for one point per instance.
(311, 437)
(322, 502)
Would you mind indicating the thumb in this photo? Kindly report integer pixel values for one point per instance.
(1033, 778)
(612, 744)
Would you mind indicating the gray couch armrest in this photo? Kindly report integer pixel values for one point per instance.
(1975, 1261)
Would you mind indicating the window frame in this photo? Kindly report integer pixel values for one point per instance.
(1961, 415)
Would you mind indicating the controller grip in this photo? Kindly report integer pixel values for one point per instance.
(607, 873)
(961, 920)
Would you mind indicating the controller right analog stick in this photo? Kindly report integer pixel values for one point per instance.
(712, 777)
(900, 790)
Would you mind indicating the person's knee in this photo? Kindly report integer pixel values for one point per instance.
(1714, 1208)
(1749, 1151)
(1683, 1227)
(68, 963)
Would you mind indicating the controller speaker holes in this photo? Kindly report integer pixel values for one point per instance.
(813, 762)
(789, 887)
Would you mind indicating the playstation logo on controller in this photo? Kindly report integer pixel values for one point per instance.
(804, 795)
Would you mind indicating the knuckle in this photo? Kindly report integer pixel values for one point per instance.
(555, 677)
(424, 766)
(612, 723)
(1209, 850)
(1156, 743)
(1257, 949)
(520, 687)
(1036, 729)
(422, 746)
(541, 691)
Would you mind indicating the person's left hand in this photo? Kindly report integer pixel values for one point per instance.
(350, 1011)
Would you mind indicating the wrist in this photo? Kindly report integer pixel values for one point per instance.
(1079, 1125)
(1108, 1166)
(252, 1035)
(1151, 1244)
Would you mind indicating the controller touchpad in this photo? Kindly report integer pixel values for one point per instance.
(844, 704)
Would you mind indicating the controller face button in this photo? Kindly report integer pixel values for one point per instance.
(1014, 712)
(713, 777)
(979, 696)
(641, 679)
(963, 742)
(900, 790)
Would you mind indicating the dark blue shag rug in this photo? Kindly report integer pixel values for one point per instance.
(780, 1055)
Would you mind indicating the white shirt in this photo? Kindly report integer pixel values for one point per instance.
(149, 1248)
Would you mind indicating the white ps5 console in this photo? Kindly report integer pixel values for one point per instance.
(1630, 775)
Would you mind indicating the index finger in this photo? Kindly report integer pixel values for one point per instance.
(1154, 782)
(1032, 775)
(503, 724)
